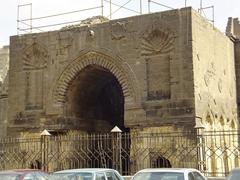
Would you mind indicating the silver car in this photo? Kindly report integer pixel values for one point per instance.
(234, 174)
(86, 174)
(168, 174)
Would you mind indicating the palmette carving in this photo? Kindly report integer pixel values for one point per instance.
(157, 42)
(35, 57)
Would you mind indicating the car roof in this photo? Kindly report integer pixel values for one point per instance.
(168, 170)
(235, 169)
(19, 171)
(90, 170)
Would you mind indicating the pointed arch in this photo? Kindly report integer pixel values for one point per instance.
(123, 76)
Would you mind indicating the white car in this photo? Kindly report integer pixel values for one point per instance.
(168, 174)
(86, 174)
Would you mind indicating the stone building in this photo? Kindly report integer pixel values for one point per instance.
(160, 72)
(4, 65)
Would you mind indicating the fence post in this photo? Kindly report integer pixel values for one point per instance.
(200, 147)
(117, 148)
(44, 149)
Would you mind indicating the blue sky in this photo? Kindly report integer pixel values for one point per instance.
(8, 11)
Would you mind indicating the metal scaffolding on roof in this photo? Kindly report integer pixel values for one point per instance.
(25, 25)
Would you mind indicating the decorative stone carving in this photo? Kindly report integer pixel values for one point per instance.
(157, 42)
(35, 57)
(118, 30)
(102, 60)
(34, 61)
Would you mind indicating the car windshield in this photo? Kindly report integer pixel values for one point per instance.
(9, 177)
(71, 176)
(159, 176)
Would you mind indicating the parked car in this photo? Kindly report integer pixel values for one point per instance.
(168, 174)
(234, 174)
(23, 174)
(86, 174)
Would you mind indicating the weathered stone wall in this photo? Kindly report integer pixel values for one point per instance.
(175, 70)
(237, 70)
(233, 28)
(3, 115)
(4, 65)
(233, 32)
(150, 55)
(215, 90)
(214, 76)
(174, 147)
(4, 62)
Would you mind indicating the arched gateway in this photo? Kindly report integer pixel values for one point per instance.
(94, 91)
(162, 91)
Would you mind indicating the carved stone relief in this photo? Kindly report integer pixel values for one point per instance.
(34, 62)
(35, 57)
(118, 30)
(157, 42)
(157, 46)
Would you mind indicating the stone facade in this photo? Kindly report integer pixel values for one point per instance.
(214, 77)
(169, 67)
(233, 32)
(147, 59)
(4, 62)
(160, 72)
(4, 66)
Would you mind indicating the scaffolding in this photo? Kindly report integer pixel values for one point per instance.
(107, 8)
(202, 9)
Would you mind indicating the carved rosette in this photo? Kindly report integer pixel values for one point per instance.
(157, 42)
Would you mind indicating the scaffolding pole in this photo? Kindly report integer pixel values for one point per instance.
(18, 16)
(102, 7)
(140, 1)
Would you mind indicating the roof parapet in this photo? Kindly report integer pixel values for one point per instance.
(233, 28)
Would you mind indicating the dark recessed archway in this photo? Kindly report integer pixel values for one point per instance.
(95, 99)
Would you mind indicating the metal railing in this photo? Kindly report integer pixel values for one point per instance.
(214, 153)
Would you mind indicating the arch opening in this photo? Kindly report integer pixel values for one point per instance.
(160, 162)
(95, 100)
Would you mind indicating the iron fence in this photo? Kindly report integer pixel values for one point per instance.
(214, 153)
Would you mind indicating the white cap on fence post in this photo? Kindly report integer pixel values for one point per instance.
(116, 130)
(45, 133)
(199, 125)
